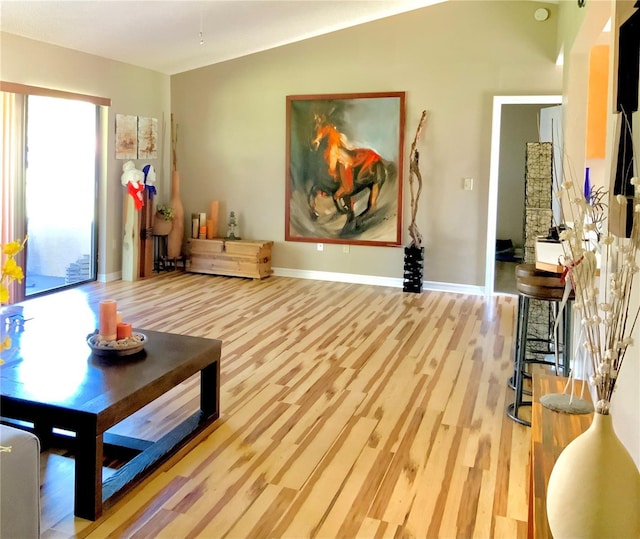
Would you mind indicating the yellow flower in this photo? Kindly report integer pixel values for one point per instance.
(11, 269)
(5, 345)
(13, 247)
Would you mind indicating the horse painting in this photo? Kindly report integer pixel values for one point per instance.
(344, 174)
(350, 172)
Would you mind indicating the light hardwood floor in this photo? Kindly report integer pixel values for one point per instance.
(346, 411)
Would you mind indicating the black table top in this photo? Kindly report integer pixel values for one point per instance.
(51, 365)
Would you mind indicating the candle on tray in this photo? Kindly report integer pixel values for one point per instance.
(108, 320)
(123, 331)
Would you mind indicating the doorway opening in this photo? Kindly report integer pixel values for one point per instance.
(494, 174)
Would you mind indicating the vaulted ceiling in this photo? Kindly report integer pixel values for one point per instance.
(173, 36)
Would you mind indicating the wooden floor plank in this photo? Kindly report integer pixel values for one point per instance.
(346, 411)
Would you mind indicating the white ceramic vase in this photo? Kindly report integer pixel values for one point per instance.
(594, 487)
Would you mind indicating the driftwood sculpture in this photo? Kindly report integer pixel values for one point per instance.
(174, 241)
(414, 170)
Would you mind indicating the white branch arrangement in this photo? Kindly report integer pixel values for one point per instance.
(607, 322)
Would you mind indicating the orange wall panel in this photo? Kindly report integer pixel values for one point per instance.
(597, 103)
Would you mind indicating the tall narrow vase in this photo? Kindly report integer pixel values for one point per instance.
(174, 241)
(594, 488)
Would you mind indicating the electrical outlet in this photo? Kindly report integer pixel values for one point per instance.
(345, 248)
(320, 247)
(468, 184)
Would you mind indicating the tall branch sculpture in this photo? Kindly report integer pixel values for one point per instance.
(174, 145)
(174, 241)
(414, 170)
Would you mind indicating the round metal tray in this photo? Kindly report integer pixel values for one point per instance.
(124, 347)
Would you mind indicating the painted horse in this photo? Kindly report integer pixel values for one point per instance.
(350, 171)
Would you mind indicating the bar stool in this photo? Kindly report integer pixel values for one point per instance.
(528, 274)
(532, 283)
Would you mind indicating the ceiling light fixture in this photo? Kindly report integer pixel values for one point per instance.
(201, 34)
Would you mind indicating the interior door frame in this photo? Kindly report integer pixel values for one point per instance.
(494, 173)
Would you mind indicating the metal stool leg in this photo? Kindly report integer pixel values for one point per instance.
(566, 345)
(514, 407)
(512, 380)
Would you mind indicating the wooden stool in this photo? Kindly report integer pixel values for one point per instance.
(545, 286)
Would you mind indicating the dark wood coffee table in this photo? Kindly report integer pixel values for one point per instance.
(51, 379)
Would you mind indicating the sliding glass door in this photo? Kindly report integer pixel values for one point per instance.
(60, 193)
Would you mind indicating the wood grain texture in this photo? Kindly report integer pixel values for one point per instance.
(346, 411)
(551, 432)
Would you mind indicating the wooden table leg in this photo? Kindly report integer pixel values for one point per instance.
(44, 432)
(88, 479)
(210, 390)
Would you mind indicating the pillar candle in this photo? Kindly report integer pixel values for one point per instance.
(108, 320)
(213, 215)
(195, 225)
(203, 220)
(210, 234)
(124, 331)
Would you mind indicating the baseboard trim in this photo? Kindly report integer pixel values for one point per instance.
(108, 277)
(353, 278)
(374, 280)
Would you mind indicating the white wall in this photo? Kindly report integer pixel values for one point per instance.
(232, 124)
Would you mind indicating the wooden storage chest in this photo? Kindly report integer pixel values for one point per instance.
(235, 258)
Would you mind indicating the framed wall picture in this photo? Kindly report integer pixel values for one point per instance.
(344, 168)
(147, 138)
(126, 136)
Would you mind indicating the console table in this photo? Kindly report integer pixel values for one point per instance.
(234, 258)
(551, 432)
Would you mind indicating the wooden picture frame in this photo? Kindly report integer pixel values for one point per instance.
(344, 160)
